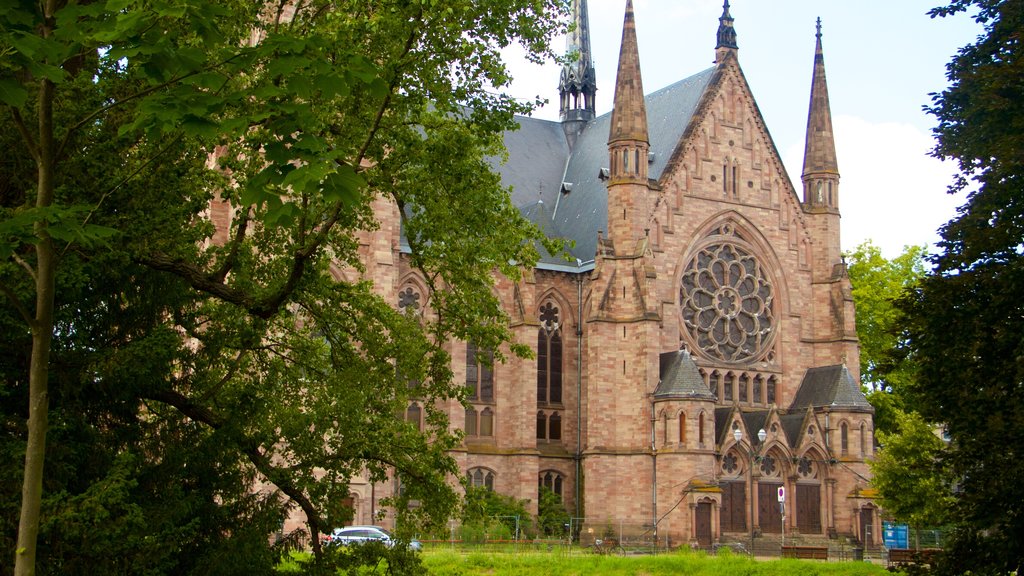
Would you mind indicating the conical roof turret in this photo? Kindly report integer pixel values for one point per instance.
(577, 85)
(726, 35)
(629, 113)
(820, 148)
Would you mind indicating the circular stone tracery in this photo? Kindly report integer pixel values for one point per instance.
(726, 300)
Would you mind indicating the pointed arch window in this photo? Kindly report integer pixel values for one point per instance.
(744, 382)
(551, 480)
(844, 438)
(549, 426)
(413, 415)
(480, 478)
(555, 427)
(549, 356)
(758, 381)
(471, 428)
(863, 439)
(487, 422)
(700, 429)
(682, 428)
(479, 373)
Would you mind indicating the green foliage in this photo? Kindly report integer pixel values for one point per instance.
(188, 362)
(878, 283)
(967, 319)
(684, 562)
(908, 473)
(552, 516)
(488, 515)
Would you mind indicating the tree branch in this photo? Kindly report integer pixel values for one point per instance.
(26, 315)
(30, 142)
(251, 450)
(104, 109)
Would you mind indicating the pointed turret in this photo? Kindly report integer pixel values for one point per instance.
(821, 170)
(627, 141)
(577, 86)
(726, 35)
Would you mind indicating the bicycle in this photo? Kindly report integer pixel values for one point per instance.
(608, 546)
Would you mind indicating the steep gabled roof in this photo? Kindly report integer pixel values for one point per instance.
(680, 378)
(540, 162)
(830, 387)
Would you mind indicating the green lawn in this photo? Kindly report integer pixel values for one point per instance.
(581, 563)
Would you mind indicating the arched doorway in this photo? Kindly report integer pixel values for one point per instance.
(769, 512)
(705, 535)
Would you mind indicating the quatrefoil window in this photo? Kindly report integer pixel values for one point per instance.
(727, 301)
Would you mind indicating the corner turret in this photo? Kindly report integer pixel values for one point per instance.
(821, 170)
(628, 143)
(726, 44)
(577, 86)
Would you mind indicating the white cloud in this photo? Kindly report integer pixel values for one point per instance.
(891, 191)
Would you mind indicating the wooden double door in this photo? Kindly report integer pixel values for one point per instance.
(808, 508)
(769, 513)
(734, 506)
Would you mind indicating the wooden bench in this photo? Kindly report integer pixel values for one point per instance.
(805, 552)
(902, 556)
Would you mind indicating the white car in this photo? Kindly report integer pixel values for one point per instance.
(360, 534)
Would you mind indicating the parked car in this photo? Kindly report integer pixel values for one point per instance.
(360, 534)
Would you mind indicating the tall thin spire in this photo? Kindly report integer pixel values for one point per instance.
(821, 169)
(726, 34)
(628, 145)
(577, 86)
(629, 113)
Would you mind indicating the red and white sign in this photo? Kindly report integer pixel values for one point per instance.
(782, 494)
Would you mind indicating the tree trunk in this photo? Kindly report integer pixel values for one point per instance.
(42, 334)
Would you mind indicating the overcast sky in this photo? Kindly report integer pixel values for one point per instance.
(882, 59)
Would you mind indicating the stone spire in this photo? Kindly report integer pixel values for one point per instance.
(629, 113)
(821, 170)
(627, 142)
(577, 86)
(726, 35)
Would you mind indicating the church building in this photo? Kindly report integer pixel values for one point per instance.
(696, 359)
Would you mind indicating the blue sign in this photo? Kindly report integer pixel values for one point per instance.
(895, 535)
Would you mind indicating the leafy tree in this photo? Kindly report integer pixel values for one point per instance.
(878, 284)
(490, 514)
(908, 475)
(210, 354)
(552, 516)
(967, 318)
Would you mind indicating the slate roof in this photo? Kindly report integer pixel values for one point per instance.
(680, 378)
(539, 161)
(831, 387)
(791, 426)
(722, 422)
(754, 422)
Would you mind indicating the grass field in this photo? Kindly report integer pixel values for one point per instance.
(679, 563)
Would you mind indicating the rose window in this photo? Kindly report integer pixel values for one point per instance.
(726, 301)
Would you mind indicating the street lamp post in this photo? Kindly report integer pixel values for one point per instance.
(737, 435)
